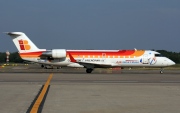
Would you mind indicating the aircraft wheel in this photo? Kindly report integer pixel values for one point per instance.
(42, 66)
(161, 72)
(58, 67)
(89, 70)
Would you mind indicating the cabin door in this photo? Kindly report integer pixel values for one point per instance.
(145, 59)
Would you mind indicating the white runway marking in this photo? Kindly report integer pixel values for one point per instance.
(170, 81)
(116, 81)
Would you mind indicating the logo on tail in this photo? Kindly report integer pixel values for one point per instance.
(24, 45)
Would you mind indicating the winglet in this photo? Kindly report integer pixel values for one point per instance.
(71, 58)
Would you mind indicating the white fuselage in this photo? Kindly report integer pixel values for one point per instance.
(148, 59)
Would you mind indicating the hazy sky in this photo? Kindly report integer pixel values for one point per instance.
(92, 24)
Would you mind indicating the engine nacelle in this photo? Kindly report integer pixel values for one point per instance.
(58, 53)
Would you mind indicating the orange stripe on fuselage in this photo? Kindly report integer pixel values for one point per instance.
(138, 53)
(122, 52)
(94, 54)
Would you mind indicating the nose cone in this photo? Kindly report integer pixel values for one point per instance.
(170, 63)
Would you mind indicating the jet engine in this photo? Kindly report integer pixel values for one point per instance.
(58, 53)
(55, 53)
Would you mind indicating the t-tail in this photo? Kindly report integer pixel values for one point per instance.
(27, 49)
(23, 43)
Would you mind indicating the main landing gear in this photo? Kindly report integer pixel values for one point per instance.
(42, 66)
(89, 70)
(58, 67)
(49, 66)
(161, 71)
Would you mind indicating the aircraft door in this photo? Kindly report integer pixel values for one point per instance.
(145, 59)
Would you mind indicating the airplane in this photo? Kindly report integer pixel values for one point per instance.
(89, 59)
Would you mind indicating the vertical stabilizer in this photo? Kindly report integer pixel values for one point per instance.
(22, 42)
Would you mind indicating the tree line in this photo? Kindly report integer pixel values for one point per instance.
(174, 56)
(15, 58)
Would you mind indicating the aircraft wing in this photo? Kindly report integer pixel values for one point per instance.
(93, 64)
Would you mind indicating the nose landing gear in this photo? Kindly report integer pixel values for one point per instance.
(161, 71)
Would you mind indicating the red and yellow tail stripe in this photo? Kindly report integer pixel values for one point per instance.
(31, 54)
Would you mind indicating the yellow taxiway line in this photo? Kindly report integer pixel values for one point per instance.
(41, 96)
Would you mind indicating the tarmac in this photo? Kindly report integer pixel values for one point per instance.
(103, 91)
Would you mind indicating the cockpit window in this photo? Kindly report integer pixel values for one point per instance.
(158, 55)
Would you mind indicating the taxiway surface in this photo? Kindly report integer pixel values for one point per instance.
(92, 93)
